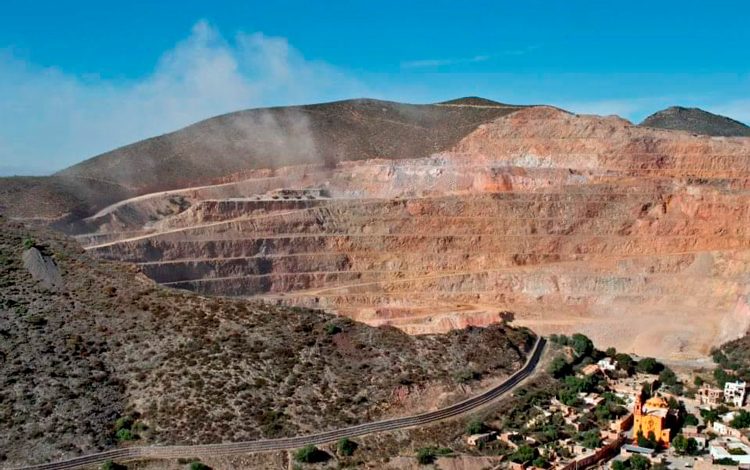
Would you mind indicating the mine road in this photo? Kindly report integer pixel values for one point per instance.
(288, 443)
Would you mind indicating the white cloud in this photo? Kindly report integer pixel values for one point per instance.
(433, 63)
(53, 119)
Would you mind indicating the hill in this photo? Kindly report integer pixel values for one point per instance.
(259, 138)
(697, 121)
(108, 357)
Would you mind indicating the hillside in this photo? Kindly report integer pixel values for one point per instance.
(259, 138)
(572, 222)
(697, 121)
(108, 349)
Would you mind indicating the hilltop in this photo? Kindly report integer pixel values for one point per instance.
(324, 133)
(108, 350)
(697, 121)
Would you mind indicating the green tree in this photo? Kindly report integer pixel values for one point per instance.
(691, 420)
(590, 439)
(346, 447)
(649, 365)
(638, 462)
(680, 444)
(611, 352)
(625, 362)
(523, 454)
(110, 465)
(582, 345)
(310, 454)
(558, 367)
(125, 435)
(426, 455)
(698, 381)
(475, 426)
(619, 465)
(668, 377)
(741, 420)
(198, 466)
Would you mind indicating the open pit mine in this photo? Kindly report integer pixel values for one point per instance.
(635, 236)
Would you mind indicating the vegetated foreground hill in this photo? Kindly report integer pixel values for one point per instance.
(637, 237)
(697, 121)
(108, 356)
(258, 138)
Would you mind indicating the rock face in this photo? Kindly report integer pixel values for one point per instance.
(42, 268)
(633, 235)
(697, 121)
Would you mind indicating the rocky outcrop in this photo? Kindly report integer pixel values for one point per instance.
(635, 236)
(42, 268)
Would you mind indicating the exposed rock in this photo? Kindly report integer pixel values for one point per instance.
(42, 268)
(633, 235)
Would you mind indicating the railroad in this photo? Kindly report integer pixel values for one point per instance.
(287, 443)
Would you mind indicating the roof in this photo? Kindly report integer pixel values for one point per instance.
(638, 449)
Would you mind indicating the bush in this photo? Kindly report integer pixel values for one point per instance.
(475, 426)
(346, 447)
(427, 455)
(332, 329)
(524, 454)
(310, 454)
(124, 422)
(110, 465)
(582, 345)
(558, 367)
(741, 420)
(125, 435)
(198, 466)
(649, 365)
(29, 243)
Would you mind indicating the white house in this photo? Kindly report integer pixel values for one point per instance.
(720, 449)
(607, 364)
(734, 393)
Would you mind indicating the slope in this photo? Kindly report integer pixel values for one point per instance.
(697, 121)
(109, 350)
(257, 138)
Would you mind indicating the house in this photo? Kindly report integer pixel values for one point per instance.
(710, 396)
(734, 393)
(591, 399)
(607, 364)
(723, 429)
(622, 424)
(730, 448)
(476, 439)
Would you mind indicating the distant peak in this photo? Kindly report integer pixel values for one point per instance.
(697, 121)
(473, 101)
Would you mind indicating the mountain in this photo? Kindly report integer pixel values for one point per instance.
(259, 138)
(572, 222)
(103, 349)
(697, 121)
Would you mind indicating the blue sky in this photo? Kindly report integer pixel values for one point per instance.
(79, 78)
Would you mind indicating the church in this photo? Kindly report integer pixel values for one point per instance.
(652, 417)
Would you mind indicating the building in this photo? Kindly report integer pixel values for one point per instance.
(477, 439)
(590, 369)
(652, 418)
(729, 448)
(607, 364)
(723, 429)
(710, 396)
(734, 393)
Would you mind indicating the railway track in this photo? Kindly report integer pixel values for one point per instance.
(287, 443)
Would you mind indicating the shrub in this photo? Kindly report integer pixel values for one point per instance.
(198, 466)
(346, 447)
(310, 454)
(29, 243)
(332, 329)
(427, 455)
(125, 435)
(649, 365)
(558, 367)
(523, 454)
(110, 465)
(475, 426)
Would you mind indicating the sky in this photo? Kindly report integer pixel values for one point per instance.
(79, 78)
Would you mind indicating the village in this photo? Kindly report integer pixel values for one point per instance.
(611, 410)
